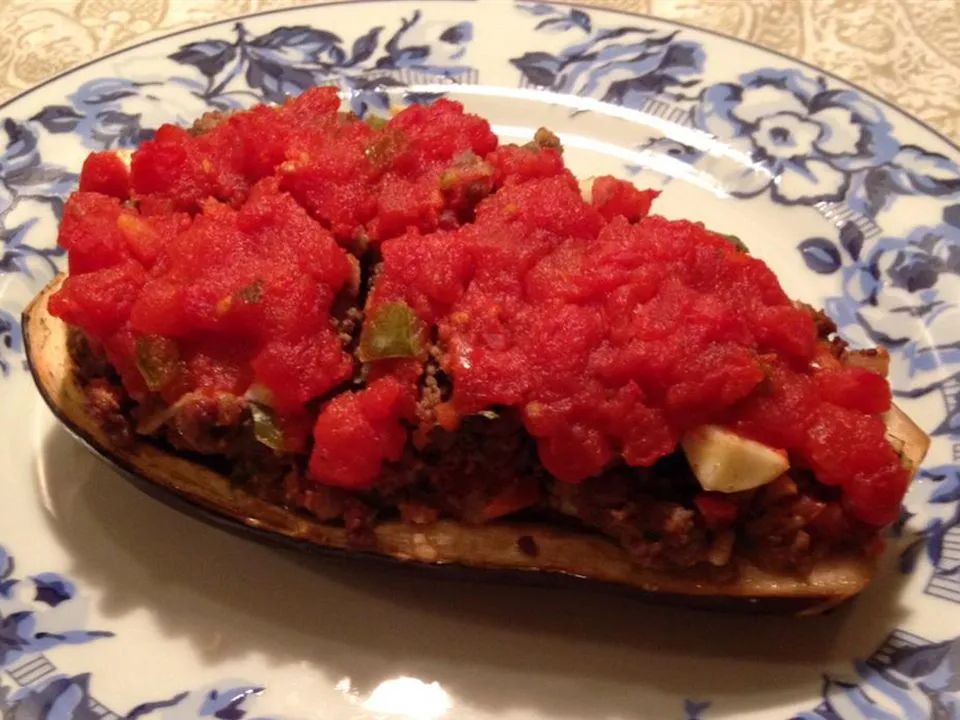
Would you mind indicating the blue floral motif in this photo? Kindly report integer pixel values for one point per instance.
(695, 709)
(820, 255)
(622, 65)
(52, 589)
(103, 113)
(11, 344)
(918, 682)
(947, 479)
(23, 624)
(911, 171)
(902, 292)
(807, 137)
(17, 253)
(7, 581)
(557, 20)
(288, 60)
(153, 706)
(43, 694)
(19, 636)
(226, 703)
(63, 697)
(25, 176)
(807, 142)
(939, 538)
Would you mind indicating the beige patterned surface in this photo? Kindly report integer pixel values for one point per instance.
(907, 51)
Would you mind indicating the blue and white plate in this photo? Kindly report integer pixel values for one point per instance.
(114, 605)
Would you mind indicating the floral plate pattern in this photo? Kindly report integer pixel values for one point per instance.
(111, 606)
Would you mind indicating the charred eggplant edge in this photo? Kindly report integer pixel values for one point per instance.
(499, 551)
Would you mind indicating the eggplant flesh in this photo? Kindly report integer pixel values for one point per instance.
(530, 553)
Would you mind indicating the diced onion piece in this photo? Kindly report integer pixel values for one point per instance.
(722, 548)
(906, 437)
(875, 359)
(353, 284)
(726, 462)
(586, 189)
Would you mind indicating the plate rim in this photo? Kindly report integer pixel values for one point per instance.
(138, 47)
(952, 144)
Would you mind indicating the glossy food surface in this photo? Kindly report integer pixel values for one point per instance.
(226, 260)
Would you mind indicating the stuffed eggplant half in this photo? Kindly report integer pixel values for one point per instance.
(402, 338)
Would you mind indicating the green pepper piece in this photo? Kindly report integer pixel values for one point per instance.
(158, 360)
(736, 242)
(265, 428)
(392, 331)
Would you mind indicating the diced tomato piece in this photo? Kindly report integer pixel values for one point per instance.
(357, 431)
(719, 512)
(614, 197)
(90, 234)
(99, 302)
(856, 388)
(170, 165)
(106, 173)
(513, 164)
(518, 496)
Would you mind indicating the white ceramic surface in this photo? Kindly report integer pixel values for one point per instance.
(112, 604)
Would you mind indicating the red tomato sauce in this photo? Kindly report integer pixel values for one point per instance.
(217, 263)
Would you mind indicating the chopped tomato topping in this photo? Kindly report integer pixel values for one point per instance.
(221, 263)
(856, 388)
(613, 197)
(719, 512)
(105, 173)
(516, 497)
(357, 431)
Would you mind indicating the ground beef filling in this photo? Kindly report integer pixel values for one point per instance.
(488, 470)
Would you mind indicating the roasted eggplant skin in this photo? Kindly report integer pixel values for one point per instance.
(507, 552)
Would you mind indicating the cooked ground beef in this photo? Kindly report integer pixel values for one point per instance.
(489, 468)
(470, 474)
(359, 519)
(656, 532)
(90, 362)
(435, 388)
(107, 403)
(545, 138)
(348, 325)
(211, 425)
(207, 122)
(825, 325)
